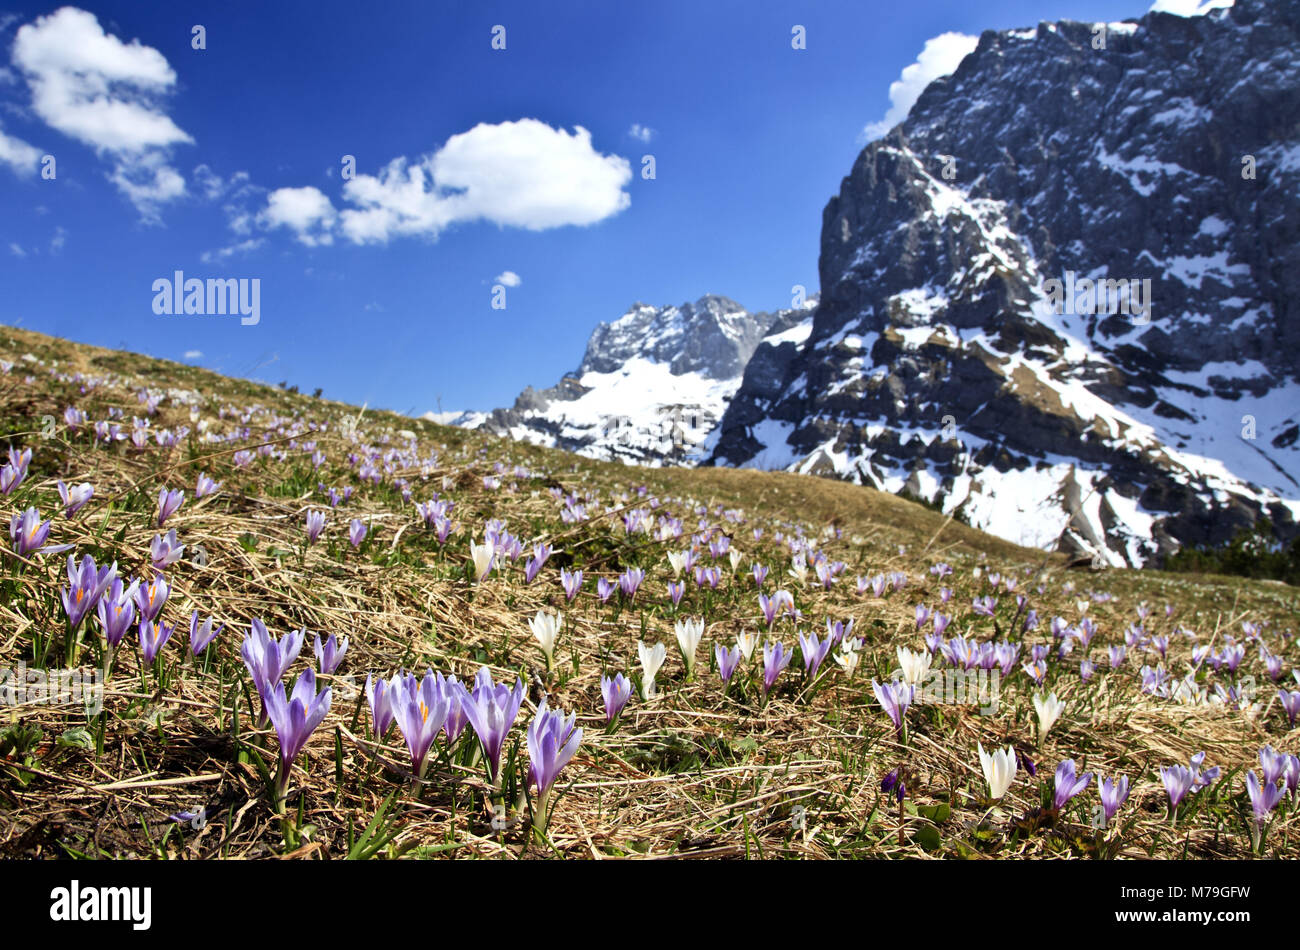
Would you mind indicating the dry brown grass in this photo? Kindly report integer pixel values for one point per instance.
(691, 773)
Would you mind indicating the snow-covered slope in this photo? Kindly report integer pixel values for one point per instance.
(944, 360)
(651, 386)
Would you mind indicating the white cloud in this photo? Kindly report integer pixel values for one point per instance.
(16, 250)
(508, 278)
(94, 88)
(940, 57)
(521, 174)
(305, 211)
(1189, 7)
(640, 132)
(60, 238)
(18, 155)
(194, 354)
(225, 253)
(211, 184)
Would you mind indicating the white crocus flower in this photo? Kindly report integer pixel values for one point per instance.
(848, 659)
(1049, 710)
(1082, 605)
(689, 633)
(546, 628)
(677, 562)
(999, 770)
(799, 570)
(736, 558)
(746, 642)
(914, 666)
(481, 555)
(651, 659)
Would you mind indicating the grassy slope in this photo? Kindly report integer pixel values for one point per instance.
(689, 771)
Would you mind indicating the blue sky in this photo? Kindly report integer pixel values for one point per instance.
(227, 162)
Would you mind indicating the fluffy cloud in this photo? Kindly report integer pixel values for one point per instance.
(521, 174)
(305, 211)
(940, 57)
(1189, 7)
(104, 93)
(640, 132)
(18, 155)
(508, 278)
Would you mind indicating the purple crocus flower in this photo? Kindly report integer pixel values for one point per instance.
(728, 660)
(923, 614)
(456, 719)
(74, 498)
(330, 653)
(1113, 794)
(985, 606)
(206, 486)
(1263, 799)
(295, 717)
(13, 472)
(630, 580)
(86, 584)
(1273, 764)
(420, 709)
(116, 612)
(153, 637)
(165, 551)
(1290, 700)
(1117, 654)
(604, 589)
(616, 691)
(151, 598)
(940, 623)
(1178, 781)
(169, 501)
(675, 591)
(1086, 669)
(202, 635)
(315, 525)
(571, 582)
(775, 659)
(1068, 784)
(1203, 778)
(814, 652)
(29, 534)
(893, 782)
(268, 659)
(541, 552)
(760, 574)
(837, 630)
(552, 741)
(379, 695)
(894, 697)
(1006, 654)
(356, 532)
(492, 709)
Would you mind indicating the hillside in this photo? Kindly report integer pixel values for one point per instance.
(178, 764)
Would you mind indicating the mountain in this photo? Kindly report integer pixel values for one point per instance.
(1062, 298)
(651, 385)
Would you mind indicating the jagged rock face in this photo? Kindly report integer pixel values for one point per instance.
(944, 360)
(652, 384)
(713, 337)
